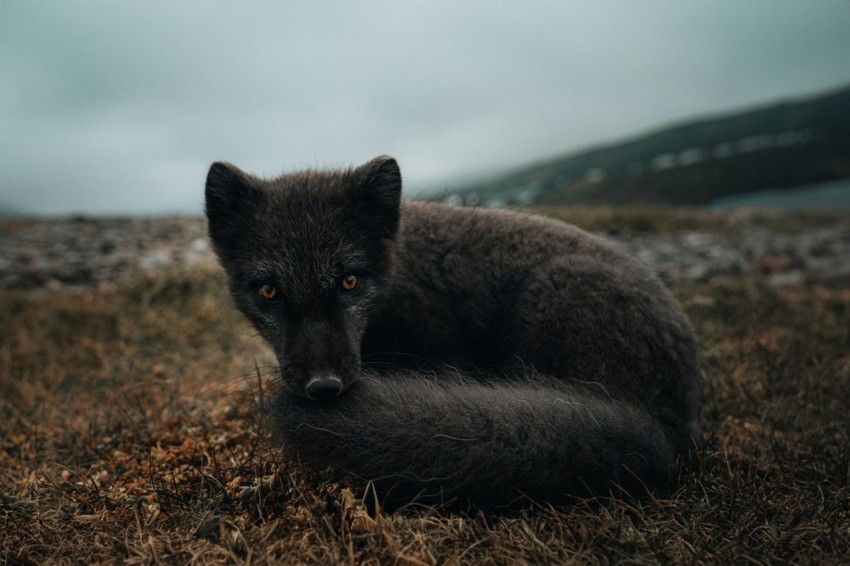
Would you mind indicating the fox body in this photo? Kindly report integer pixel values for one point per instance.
(447, 353)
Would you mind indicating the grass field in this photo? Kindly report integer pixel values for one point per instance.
(128, 436)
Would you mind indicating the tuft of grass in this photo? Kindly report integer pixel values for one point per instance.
(128, 435)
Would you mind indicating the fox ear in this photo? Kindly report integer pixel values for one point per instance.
(227, 186)
(383, 174)
(229, 193)
(377, 195)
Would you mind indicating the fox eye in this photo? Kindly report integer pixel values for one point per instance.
(348, 283)
(269, 293)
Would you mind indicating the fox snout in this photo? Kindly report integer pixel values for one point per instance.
(319, 359)
(315, 385)
(323, 387)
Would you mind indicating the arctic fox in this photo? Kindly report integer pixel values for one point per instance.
(454, 354)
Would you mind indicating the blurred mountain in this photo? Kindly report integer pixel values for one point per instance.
(785, 145)
(9, 211)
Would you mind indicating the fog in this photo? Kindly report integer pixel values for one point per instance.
(119, 107)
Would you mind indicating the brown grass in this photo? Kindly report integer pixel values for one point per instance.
(127, 436)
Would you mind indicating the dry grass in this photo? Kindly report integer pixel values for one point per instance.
(127, 436)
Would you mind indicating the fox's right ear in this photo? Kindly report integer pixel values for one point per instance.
(231, 195)
(228, 191)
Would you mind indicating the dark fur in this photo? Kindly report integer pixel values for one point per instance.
(487, 354)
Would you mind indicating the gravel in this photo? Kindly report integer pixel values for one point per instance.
(90, 251)
(820, 255)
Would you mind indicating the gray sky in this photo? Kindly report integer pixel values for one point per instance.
(119, 107)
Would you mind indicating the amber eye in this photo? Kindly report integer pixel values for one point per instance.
(348, 283)
(269, 293)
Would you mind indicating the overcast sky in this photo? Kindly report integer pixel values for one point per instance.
(119, 107)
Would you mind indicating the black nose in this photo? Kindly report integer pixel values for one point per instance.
(322, 388)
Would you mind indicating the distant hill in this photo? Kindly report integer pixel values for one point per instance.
(794, 143)
(8, 211)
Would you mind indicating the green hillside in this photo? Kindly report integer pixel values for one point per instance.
(793, 143)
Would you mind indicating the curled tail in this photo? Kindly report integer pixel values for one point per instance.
(443, 439)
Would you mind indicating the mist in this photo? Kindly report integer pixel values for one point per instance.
(119, 108)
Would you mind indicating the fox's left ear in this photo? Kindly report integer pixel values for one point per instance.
(377, 194)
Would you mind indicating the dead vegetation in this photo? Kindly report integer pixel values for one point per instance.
(128, 436)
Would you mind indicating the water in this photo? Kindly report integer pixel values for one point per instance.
(834, 195)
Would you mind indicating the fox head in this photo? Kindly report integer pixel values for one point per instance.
(306, 256)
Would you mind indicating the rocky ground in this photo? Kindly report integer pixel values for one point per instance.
(86, 251)
(90, 250)
(814, 255)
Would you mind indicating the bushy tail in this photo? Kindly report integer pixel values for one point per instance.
(435, 440)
